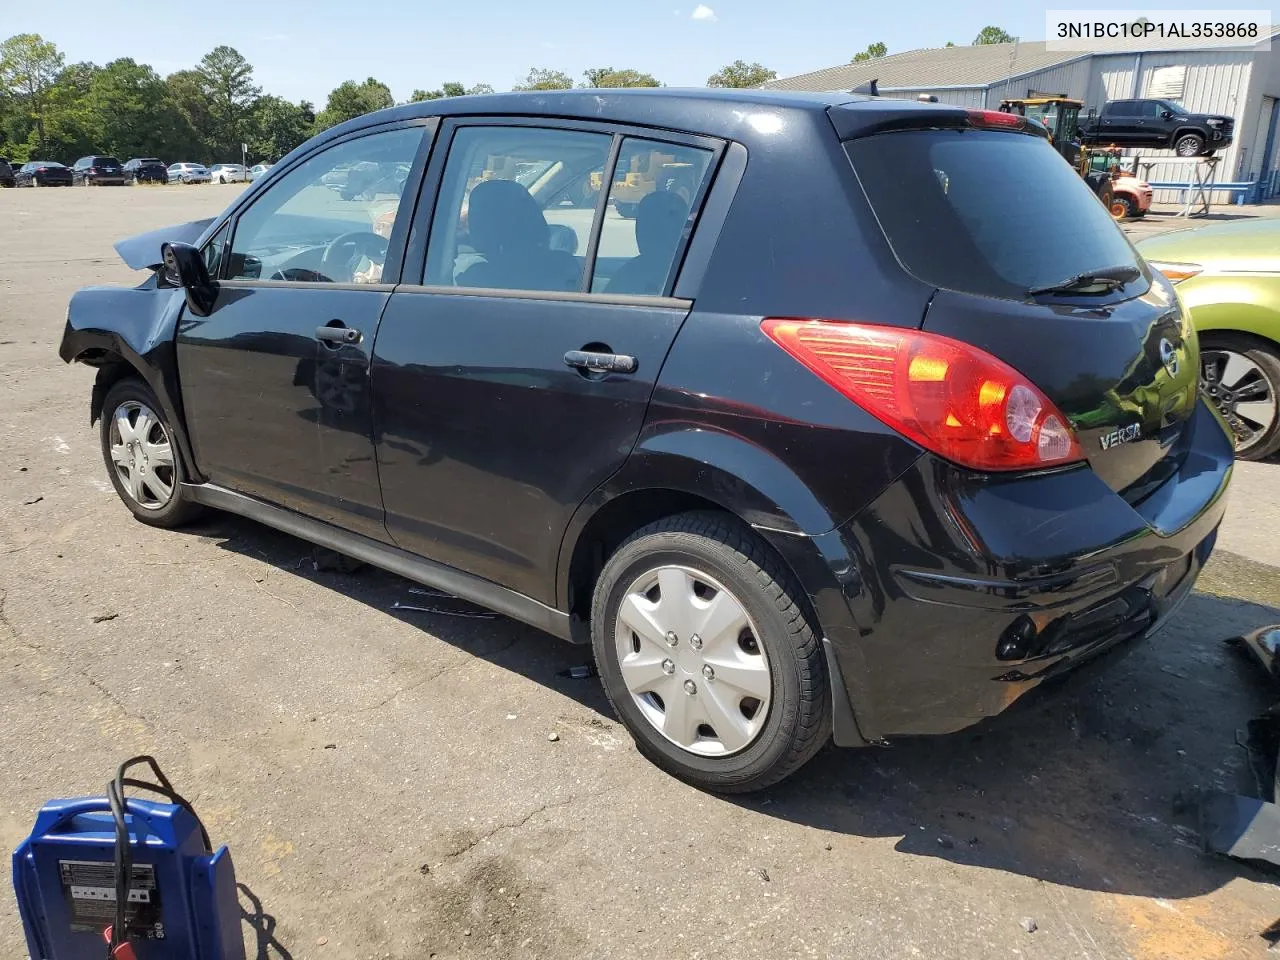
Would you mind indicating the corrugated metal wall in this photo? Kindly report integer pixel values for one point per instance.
(959, 97)
(1069, 78)
(1111, 78)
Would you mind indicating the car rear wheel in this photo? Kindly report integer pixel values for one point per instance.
(1189, 145)
(1240, 376)
(141, 457)
(708, 656)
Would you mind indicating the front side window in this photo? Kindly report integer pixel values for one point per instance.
(1150, 110)
(329, 219)
(653, 191)
(516, 208)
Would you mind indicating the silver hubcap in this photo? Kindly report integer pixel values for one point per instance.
(142, 455)
(1188, 148)
(692, 661)
(1240, 390)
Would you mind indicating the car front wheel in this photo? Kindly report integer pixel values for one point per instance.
(1189, 145)
(141, 457)
(708, 656)
(1240, 376)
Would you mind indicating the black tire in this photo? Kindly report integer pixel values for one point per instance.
(1267, 358)
(798, 723)
(1125, 201)
(179, 510)
(1189, 144)
(1105, 196)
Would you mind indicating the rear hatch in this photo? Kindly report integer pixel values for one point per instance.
(1030, 267)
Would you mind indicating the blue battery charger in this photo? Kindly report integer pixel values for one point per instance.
(180, 901)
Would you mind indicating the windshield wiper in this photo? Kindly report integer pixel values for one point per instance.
(1110, 277)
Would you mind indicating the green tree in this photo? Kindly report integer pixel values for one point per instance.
(227, 81)
(741, 74)
(29, 66)
(949, 44)
(187, 100)
(609, 77)
(539, 79)
(127, 112)
(451, 89)
(993, 35)
(351, 99)
(874, 51)
(69, 120)
(277, 126)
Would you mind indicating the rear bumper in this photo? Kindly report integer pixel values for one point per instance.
(959, 594)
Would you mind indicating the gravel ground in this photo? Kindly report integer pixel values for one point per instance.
(389, 787)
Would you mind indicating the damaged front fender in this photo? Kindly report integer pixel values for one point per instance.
(124, 331)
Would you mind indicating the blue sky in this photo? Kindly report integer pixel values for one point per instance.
(304, 49)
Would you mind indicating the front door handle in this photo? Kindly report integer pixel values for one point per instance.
(592, 362)
(335, 333)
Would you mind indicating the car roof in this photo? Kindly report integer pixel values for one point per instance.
(712, 111)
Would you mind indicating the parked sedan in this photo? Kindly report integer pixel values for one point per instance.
(98, 171)
(1228, 275)
(891, 502)
(42, 173)
(228, 173)
(259, 171)
(146, 170)
(188, 173)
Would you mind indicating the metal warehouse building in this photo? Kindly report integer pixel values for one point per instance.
(1244, 84)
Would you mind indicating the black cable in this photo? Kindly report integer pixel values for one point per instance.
(123, 854)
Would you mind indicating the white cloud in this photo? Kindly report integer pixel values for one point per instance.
(703, 12)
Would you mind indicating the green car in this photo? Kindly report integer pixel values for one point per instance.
(1228, 275)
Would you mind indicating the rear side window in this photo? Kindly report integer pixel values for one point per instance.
(516, 208)
(653, 191)
(995, 214)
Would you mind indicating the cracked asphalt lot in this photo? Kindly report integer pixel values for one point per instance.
(387, 784)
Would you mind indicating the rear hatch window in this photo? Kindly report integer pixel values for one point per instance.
(985, 212)
(988, 217)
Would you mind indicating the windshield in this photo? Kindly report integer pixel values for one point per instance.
(44, 163)
(995, 214)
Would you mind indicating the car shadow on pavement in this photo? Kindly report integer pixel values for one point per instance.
(1096, 790)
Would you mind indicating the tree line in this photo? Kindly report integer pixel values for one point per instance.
(52, 110)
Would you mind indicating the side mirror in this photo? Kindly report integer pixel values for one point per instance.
(184, 267)
(1166, 114)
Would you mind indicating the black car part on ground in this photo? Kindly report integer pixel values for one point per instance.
(965, 488)
(1248, 828)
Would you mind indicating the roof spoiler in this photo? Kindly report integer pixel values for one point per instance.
(867, 89)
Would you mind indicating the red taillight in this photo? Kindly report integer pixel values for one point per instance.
(949, 397)
(995, 118)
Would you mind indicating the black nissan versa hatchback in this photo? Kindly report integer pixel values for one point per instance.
(839, 436)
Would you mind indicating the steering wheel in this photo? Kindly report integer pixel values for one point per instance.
(344, 251)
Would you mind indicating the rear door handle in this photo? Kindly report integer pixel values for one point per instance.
(601, 362)
(338, 335)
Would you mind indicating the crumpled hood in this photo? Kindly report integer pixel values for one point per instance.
(143, 251)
